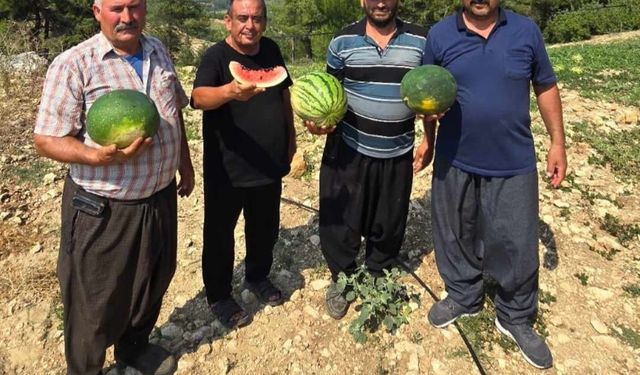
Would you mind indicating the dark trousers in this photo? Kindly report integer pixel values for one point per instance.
(361, 196)
(487, 225)
(222, 205)
(113, 271)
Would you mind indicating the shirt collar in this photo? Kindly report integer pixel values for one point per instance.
(105, 47)
(502, 19)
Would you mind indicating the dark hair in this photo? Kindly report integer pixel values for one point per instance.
(264, 8)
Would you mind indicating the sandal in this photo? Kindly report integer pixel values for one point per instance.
(230, 314)
(265, 291)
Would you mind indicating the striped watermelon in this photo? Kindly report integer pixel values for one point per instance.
(319, 97)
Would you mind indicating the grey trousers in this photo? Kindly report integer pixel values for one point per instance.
(487, 225)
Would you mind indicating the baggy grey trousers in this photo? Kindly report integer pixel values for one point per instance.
(487, 225)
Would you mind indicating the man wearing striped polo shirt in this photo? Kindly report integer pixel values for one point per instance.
(119, 211)
(367, 166)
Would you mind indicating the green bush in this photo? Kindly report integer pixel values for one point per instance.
(588, 21)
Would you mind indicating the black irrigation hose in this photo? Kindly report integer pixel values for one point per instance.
(426, 287)
(476, 360)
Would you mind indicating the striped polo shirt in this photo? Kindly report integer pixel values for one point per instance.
(79, 76)
(378, 123)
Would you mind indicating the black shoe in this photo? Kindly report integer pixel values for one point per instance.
(265, 292)
(532, 345)
(152, 360)
(446, 311)
(230, 314)
(336, 303)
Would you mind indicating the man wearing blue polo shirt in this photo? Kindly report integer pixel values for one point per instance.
(485, 186)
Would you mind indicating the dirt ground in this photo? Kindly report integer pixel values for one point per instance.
(589, 316)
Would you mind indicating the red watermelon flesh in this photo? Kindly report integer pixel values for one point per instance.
(260, 77)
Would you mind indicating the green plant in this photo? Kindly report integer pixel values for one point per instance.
(625, 233)
(583, 277)
(628, 336)
(384, 301)
(606, 254)
(546, 297)
(632, 289)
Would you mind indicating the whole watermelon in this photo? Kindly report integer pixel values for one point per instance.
(319, 97)
(428, 89)
(120, 116)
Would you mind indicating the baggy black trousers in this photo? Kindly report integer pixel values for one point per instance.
(113, 271)
(361, 196)
(261, 209)
(487, 225)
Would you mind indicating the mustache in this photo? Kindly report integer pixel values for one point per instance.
(479, 1)
(126, 26)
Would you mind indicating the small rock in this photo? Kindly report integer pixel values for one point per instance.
(562, 339)
(36, 249)
(561, 204)
(325, 353)
(17, 220)
(295, 295)
(600, 294)
(298, 165)
(319, 284)
(315, 240)
(313, 313)
(287, 345)
(171, 331)
(599, 326)
(414, 364)
(5, 215)
(605, 340)
(247, 297)
(49, 178)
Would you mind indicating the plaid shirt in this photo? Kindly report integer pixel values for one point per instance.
(80, 75)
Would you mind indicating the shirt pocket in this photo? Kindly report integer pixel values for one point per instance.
(518, 64)
(165, 93)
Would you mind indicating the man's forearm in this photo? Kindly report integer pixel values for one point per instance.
(550, 107)
(208, 98)
(64, 149)
(429, 131)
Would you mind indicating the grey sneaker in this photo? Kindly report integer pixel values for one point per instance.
(153, 360)
(446, 311)
(336, 303)
(532, 346)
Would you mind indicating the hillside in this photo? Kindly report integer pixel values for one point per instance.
(589, 244)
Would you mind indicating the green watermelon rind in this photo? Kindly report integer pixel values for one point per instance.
(431, 84)
(319, 97)
(120, 116)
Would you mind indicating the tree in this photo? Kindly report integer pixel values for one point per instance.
(55, 24)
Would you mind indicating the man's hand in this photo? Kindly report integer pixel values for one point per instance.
(243, 92)
(423, 156)
(187, 179)
(556, 164)
(430, 118)
(314, 129)
(112, 155)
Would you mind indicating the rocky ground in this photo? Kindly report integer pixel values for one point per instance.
(589, 307)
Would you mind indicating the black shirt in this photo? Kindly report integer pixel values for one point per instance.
(245, 143)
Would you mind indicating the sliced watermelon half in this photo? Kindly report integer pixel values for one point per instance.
(260, 77)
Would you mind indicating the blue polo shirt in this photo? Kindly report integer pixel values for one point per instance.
(487, 130)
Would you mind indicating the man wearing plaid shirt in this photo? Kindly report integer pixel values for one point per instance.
(119, 210)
